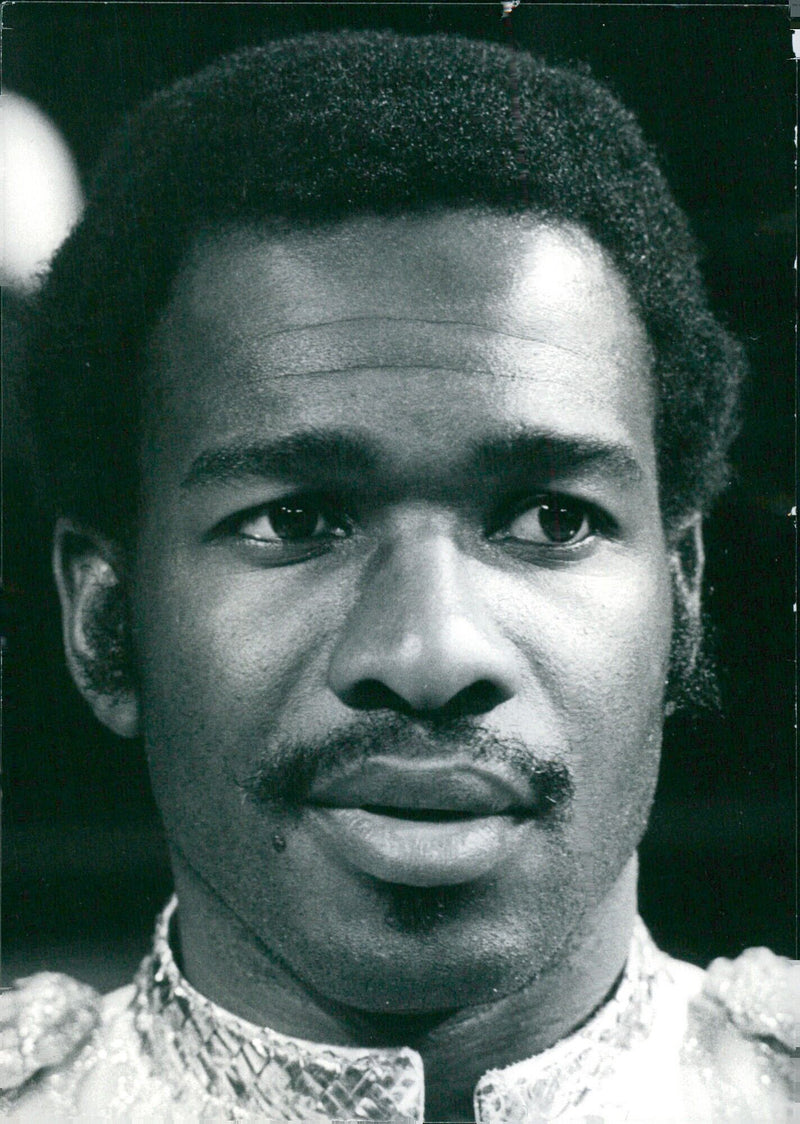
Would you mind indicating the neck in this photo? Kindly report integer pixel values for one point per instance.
(222, 961)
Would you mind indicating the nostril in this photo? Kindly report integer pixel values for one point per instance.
(371, 694)
(478, 698)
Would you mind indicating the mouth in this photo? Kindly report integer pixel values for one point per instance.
(421, 824)
(421, 815)
(414, 787)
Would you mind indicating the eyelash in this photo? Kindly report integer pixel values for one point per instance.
(599, 521)
(313, 502)
(343, 525)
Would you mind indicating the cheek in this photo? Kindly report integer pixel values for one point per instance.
(598, 656)
(622, 644)
(226, 661)
(619, 661)
(599, 636)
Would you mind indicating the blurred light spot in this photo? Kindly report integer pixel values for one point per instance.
(41, 194)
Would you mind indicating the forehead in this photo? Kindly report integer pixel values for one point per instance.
(447, 319)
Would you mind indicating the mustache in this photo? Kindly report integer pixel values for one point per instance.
(284, 775)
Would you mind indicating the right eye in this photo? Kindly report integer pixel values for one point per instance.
(290, 529)
(552, 522)
(299, 519)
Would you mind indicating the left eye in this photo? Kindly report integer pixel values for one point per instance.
(551, 522)
(293, 521)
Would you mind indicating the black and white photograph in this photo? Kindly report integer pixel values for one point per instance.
(398, 541)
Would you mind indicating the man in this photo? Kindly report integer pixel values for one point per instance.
(388, 407)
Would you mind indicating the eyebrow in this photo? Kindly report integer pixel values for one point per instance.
(296, 455)
(558, 455)
(304, 454)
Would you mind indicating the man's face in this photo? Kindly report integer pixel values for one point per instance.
(401, 603)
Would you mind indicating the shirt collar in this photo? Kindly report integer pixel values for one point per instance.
(250, 1071)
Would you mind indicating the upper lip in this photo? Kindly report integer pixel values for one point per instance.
(432, 785)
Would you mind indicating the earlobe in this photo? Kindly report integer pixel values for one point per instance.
(96, 642)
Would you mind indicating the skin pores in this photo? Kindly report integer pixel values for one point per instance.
(401, 543)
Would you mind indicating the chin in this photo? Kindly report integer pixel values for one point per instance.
(435, 949)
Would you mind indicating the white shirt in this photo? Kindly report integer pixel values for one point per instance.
(674, 1045)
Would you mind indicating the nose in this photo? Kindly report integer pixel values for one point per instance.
(419, 638)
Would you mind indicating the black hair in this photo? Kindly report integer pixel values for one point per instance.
(319, 127)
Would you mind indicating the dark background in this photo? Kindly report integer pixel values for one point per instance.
(84, 867)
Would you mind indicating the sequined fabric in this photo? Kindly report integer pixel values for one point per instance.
(257, 1072)
(742, 1038)
(551, 1085)
(673, 1046)
(761, 1001)
(43, 1019)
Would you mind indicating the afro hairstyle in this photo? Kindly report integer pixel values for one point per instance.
(320, 127)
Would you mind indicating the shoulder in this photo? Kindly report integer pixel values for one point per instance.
(755, 997)
(57, 1034)
(707, 1045)
(740, 1033)
(44, 1019)
(759, 994)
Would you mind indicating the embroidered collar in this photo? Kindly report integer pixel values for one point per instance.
(254, 1071)
(246, 1071)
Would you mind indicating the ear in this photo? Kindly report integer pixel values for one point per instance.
(687, 563)
(88, 574)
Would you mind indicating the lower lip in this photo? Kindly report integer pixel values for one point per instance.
(417, 852)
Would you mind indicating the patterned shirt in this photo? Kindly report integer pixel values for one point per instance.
(674, 1044)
